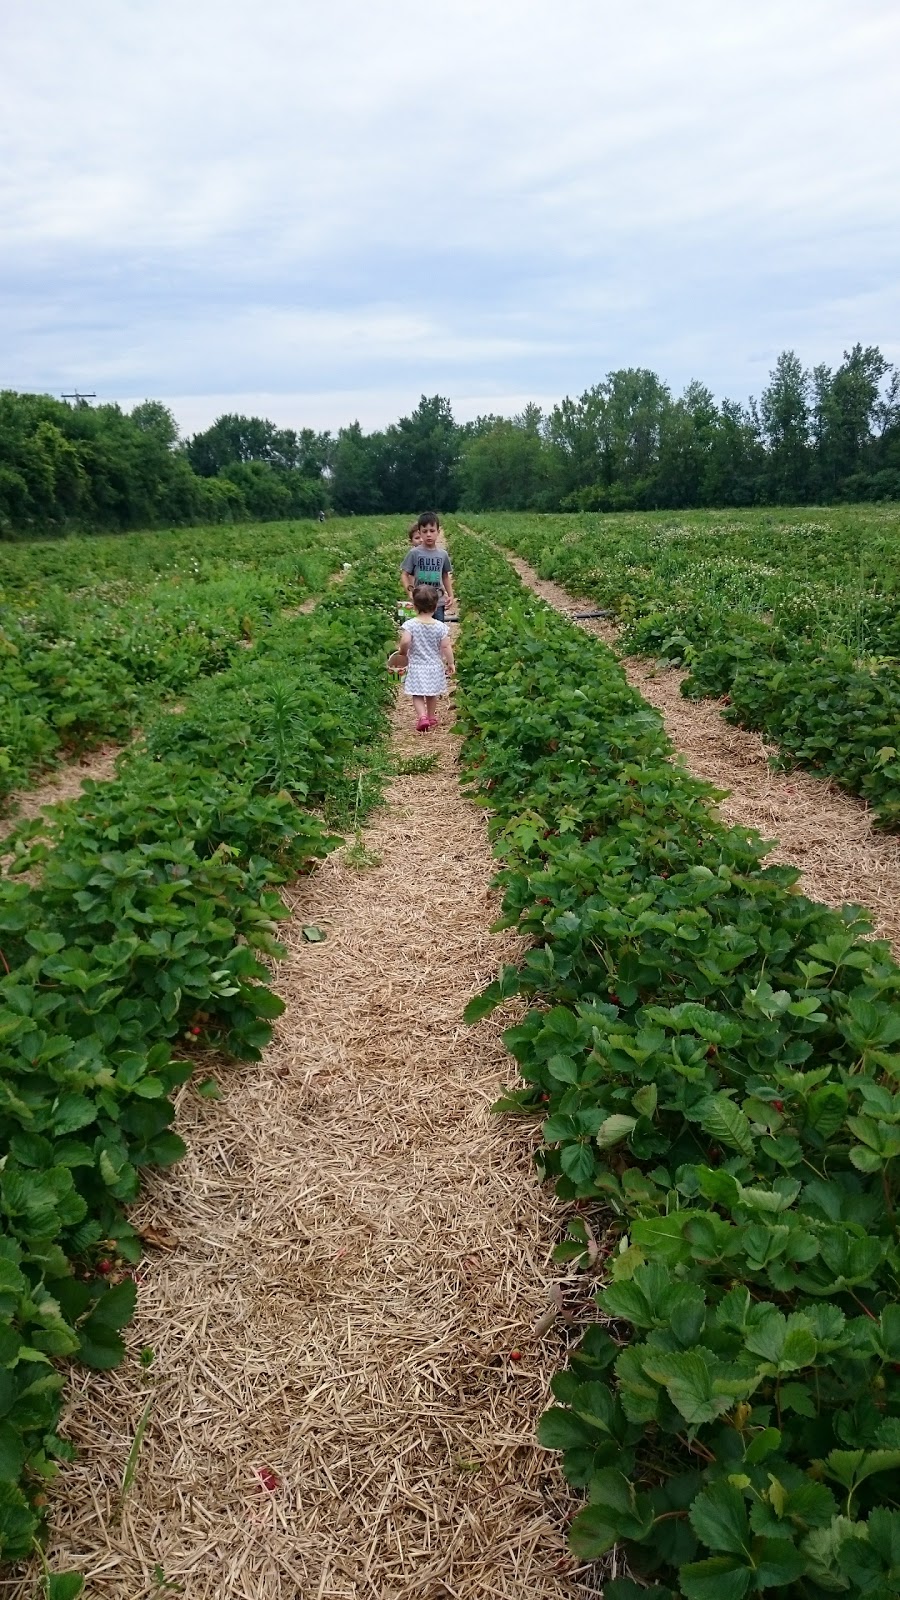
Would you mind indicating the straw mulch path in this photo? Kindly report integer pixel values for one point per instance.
(826, 833)
(360, 1245)
(64, 784)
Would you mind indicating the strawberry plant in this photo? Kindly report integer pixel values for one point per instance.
(716, 1060)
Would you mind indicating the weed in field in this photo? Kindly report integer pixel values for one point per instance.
(359, 857)
(416, 766)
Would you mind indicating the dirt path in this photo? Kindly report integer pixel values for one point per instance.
(310, 604)
(827, 833)
(362, 1247)
(63, 784)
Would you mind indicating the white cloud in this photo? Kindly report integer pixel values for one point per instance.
(478, 196)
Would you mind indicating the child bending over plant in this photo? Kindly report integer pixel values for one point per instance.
(425, 643)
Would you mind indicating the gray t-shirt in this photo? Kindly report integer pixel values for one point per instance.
(428, 566)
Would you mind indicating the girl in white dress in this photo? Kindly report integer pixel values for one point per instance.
(426, 646)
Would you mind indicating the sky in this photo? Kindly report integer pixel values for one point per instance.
(318, 210)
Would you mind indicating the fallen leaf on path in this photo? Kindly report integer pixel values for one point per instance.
(158, 1236)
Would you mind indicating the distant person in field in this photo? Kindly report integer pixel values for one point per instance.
(425, 645)
(426, 564)
(321, 516)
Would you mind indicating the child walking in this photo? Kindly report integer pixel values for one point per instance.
(424, 562)
(426, 644)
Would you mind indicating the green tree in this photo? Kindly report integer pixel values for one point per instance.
(152, 417)
(233, 438)
(735, 468)
(505, 465)
(424, 448)
(605, 446)
(687, 433)
(357, 471)
(784, 410)
(845, 412)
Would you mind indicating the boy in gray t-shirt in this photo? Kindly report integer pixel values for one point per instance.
(429, 565)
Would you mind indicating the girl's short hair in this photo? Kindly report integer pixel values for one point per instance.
(425, 597)
(412, 529)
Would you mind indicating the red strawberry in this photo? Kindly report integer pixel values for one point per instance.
(269, 1479)
(515, 1355)
(778, 1105)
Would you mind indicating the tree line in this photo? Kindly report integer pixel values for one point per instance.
(815, 435)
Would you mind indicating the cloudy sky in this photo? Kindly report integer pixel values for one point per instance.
(320, 209)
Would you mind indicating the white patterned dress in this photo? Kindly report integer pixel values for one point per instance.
(425, 674)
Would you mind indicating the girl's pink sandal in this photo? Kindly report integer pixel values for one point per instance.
(433, 722)
(423, 725)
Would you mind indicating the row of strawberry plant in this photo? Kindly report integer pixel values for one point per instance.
(825, 688)
(825, 708)
(88, 662)
(143, 913)
(714, 1057)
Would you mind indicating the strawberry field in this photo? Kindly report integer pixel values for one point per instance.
(714, 1059)
(792, 617)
